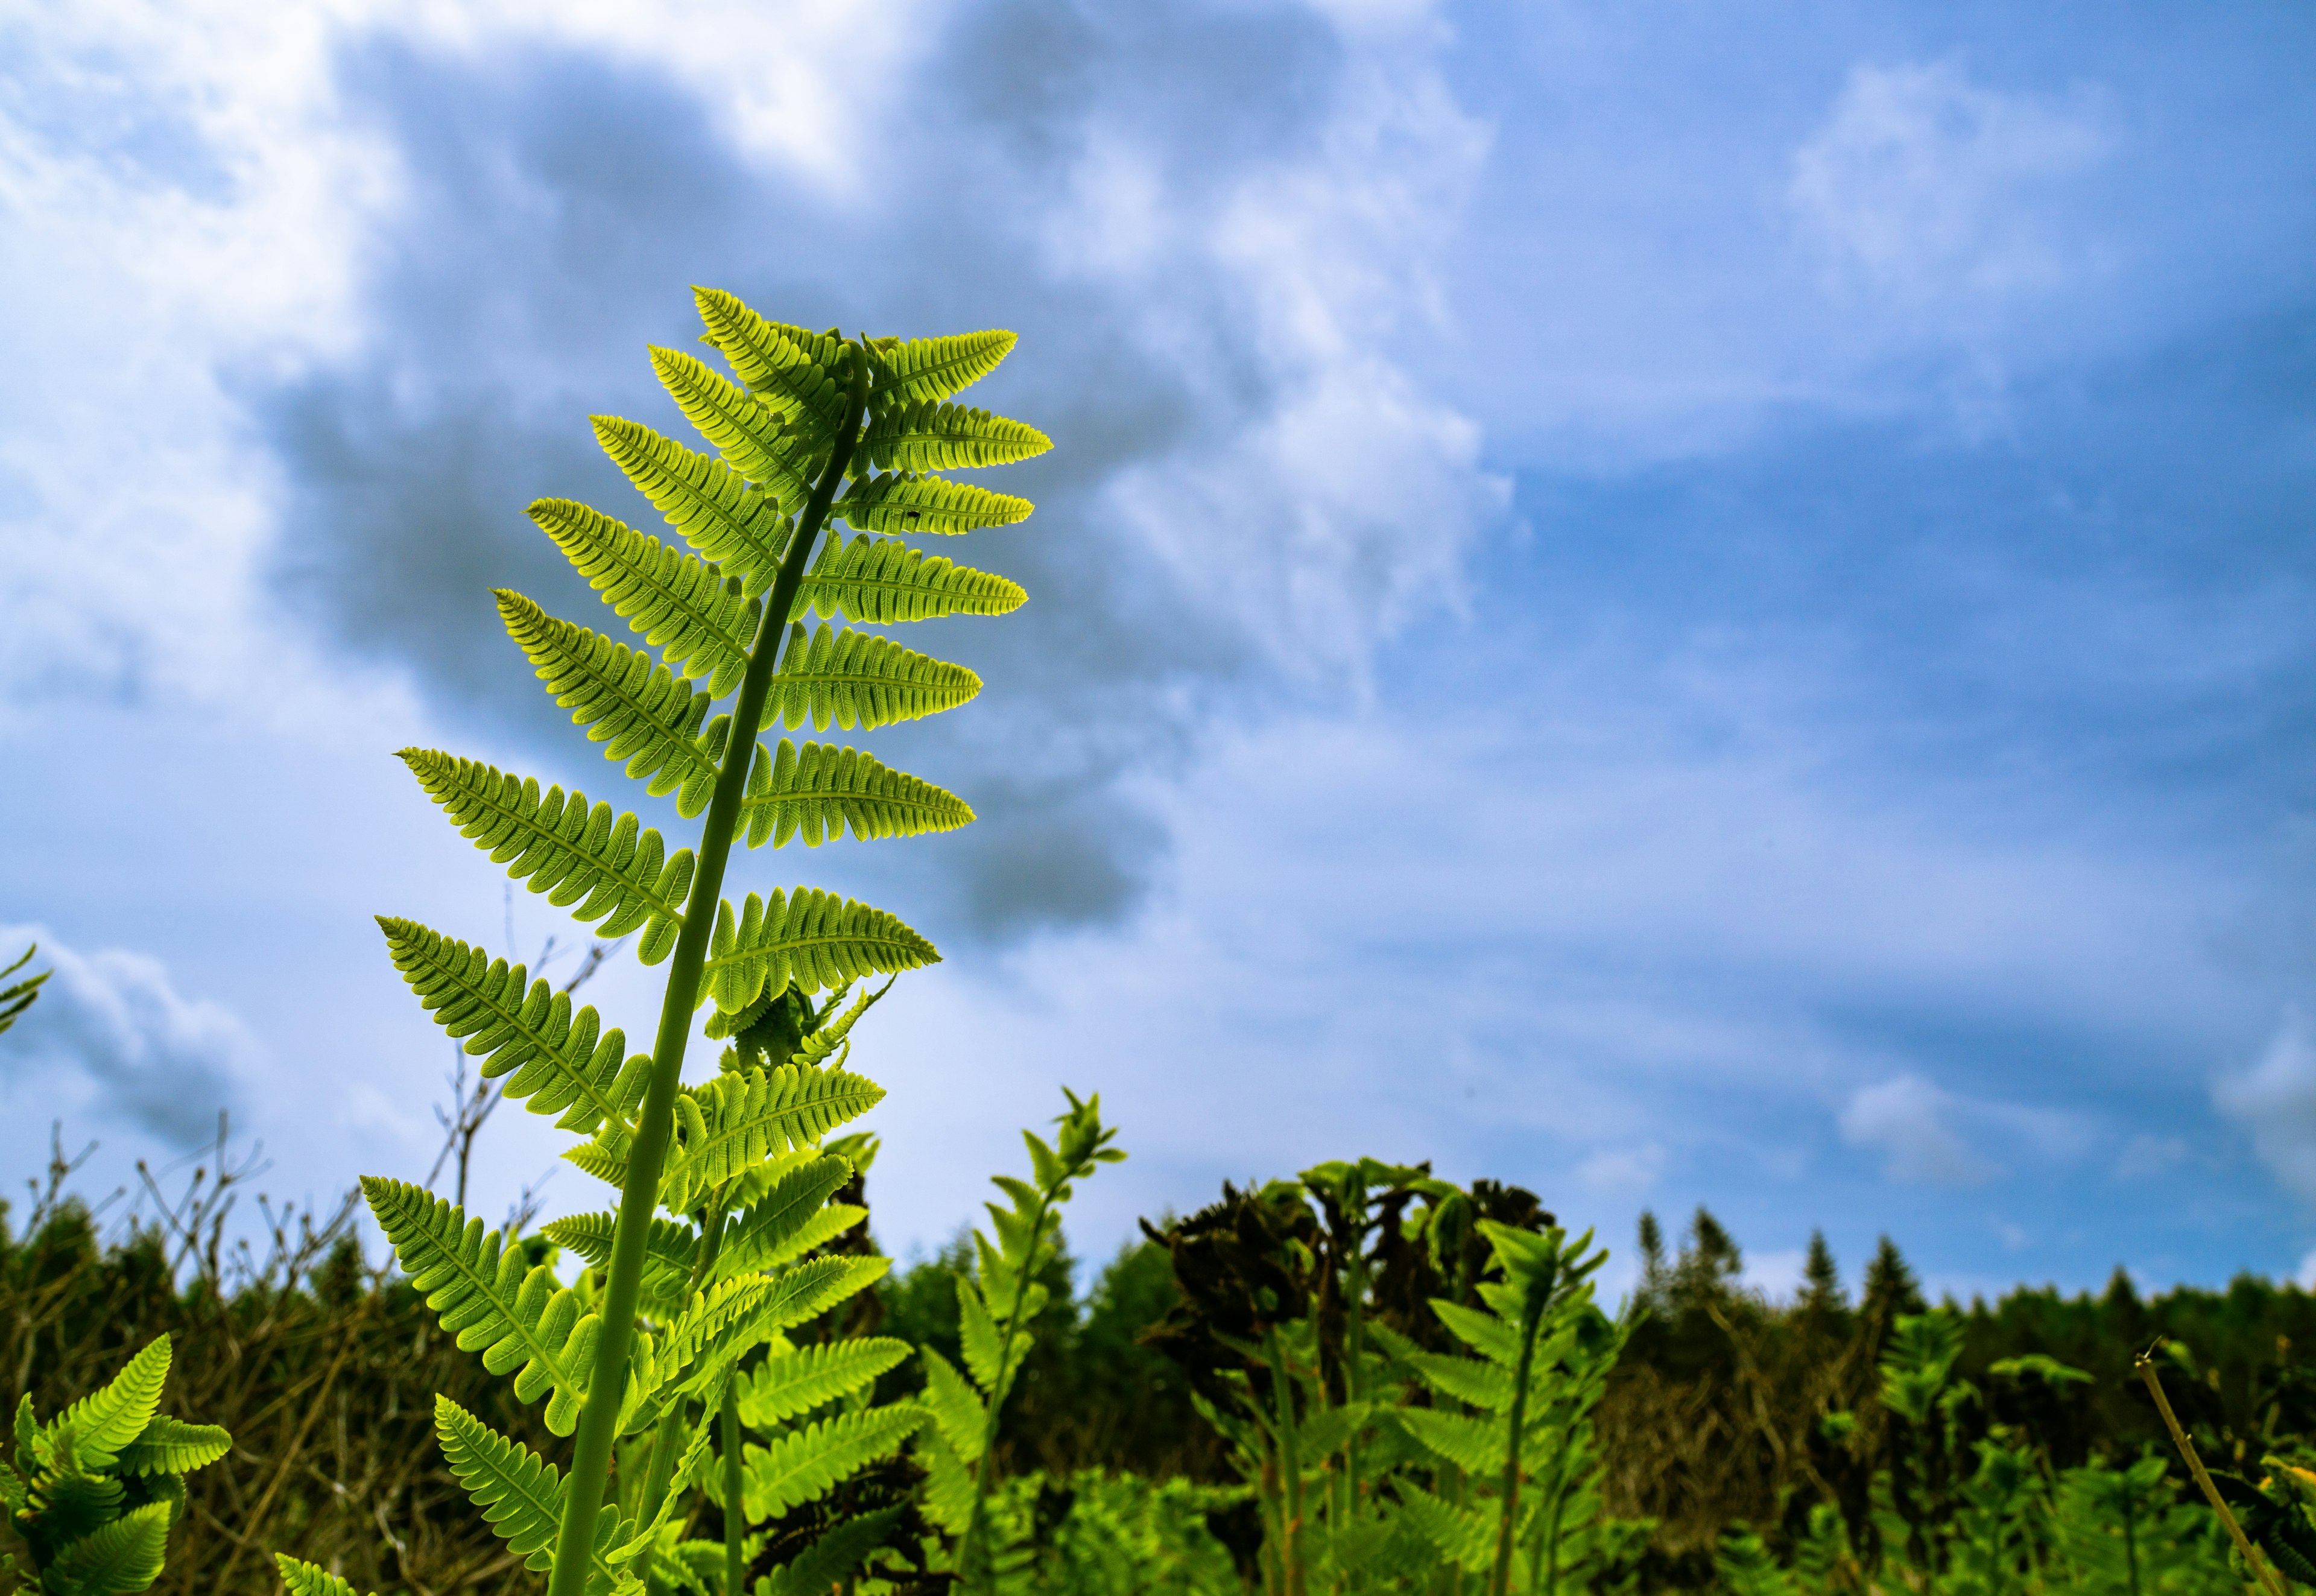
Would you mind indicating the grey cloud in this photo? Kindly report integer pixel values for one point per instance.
(159, 1059)
(555, 205)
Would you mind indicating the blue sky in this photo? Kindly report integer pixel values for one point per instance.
(1673, 606)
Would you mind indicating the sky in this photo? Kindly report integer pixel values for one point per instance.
(1677, 606)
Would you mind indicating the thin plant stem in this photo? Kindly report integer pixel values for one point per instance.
(591, 1452)
(1531, 1322)
(736, 1501)
(1290, 1461)
(978, 1527)
(667, 1444)
(2145, 1365)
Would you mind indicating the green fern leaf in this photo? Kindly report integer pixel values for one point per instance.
(171, 1446)
(931, 436)
(668, 1250)
(809, 940)
(1471, 1443)
(767, 1235)
(734, 1317)
(815, 792)
(711, 505)
(832, 1034)
(106, 1421)
(701, 621)
(860, 679)
(748, 432)
(948, 1482)
(737, 1120)
(556, 845)
(1495, 1338)
(118, 1559)
(1482, 1384)
(956, 1408)
(66, 1506)
(793, 370)
(829, 1561)
(807, 1464)
(17, 996)
(695, 1452)
(882, 580)
(519, 1319)
(789, 1385)
(978, 1332)
(304, 1579)
(922, 368)
(559, 1064)
(1462, 1536)
(904, 502)
(521, 1493)
(641, 711)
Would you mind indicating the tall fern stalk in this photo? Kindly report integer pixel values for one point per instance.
(591, 1453)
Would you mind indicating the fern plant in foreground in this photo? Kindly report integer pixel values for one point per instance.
(723, 1185)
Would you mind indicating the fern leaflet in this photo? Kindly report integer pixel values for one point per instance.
(101, 1424)
(709, 503)
(696, 616)
(747, 430)
(927, 435)
(905, 502)
(668, 1250)
(118, 1558)
(790, 1385)
(556, 845)
(809, 1462)
(736, 1120)
(791, 369)
(921, 368)
(766, 1235)
(171, 1446)
(816, 791)
(860, 679)
(304, 1579)
(882, 580)
(810, 939)
(521, 1493)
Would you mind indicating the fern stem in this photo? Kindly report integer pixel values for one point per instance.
(1290, 1461)
(667, 1444)
(736, 1501)
(977, 1529)
(1531, 1322)
(591, 1453)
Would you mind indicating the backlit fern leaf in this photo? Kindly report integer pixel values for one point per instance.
(106, 1420)
(560, 1065)
(931, 436)
(703, 499)
(304, 1579)
(810, 939)
(792, 369)
(117, 1559)
(882, 580)
(791, 1384)
(747, 430)
(518, 1319)
(815, 791)
(171, 1446)
(903, 502)
(556, 844)
(860, 679)
(919, 368)
(519, 1492)
(737, 1120)
(668, 1250)
(689, 610)
(642, 710)
(767, 1234)
(806, 1463)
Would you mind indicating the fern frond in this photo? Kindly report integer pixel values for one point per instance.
(304, 1579)
(695, 1452)
(519, 1492)
(905, 502)
(794, 370)
(948, 1487)
(1493, 1336)
(106, 1420)
(826, 1565)
(784, 1387)
(957, 1410)
(736, 1120)
(171, 1446)
(831, 1034)
(806, 1463)
(116, 1559)
(767, 1234)
(747, 431)
(640, 710)
(1469, 1443)
(670, 1249)
(695, 615)
(977, 1337)
(816, 791)
(1462, 1536)
(809, 940)
(518, 1319)
(705, 501)
(17, 995)
(860, 679)
(560, 1066)
(558, 846)
(921, 368)
(1482, 1384)
(931, 436)
(734, 1317)
(882, 580)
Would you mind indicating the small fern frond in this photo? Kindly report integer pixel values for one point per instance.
(689, 610)
(558, 846)
(807, 1464)
(766, 1235)
(669, 1250)
(882, 581)
(793, 370)
(736, 1120)
(816, 791)
(831, 1034)
(17, 996)
(860, 679)
(978, 1338)
(171, 1446)
(957, 1409)
(560, 1067)
(931, 436)
(705, 501)
(518, 1319)
(917, 369)
(304, 1579)
(809, 940)
(789, 1385)
(519, 1492)
(116, 1559)
(904, 502)
(747, 430)
(107, 1419)
(641, 710)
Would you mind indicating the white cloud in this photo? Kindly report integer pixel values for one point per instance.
(111, 1032)
(1910, 1119)
(2275, 1101)
(1622, 1172)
